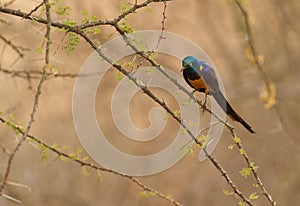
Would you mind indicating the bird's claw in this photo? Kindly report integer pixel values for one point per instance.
(203, 108)
(204, 104)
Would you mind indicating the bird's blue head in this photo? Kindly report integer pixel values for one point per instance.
(190, 62)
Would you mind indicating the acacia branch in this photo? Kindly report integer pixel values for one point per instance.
(252, 46)
(163, 27)
(35, 104)
(267, 82)
(79, 30)
(83, 163)
(145, 89)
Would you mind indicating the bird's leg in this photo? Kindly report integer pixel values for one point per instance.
(204, 103)
(192, 94)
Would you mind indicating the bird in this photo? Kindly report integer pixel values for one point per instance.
(202, 78)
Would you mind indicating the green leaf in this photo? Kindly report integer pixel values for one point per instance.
(124, 7)
(231, 146)
(73, 155)
(227, 192)
(73, 40)
(152, 193)
(253, 196)
(63, 10)
(253, 166)
(177, 112)
(242, 151)
(245, 172)
(55, 145)
(69, 22)
(190, 151)
(119, 76)
(53, 69)
(126, 27)
(84, 158)
(79, 150)
(84, 172)
(39, 50)
(100, 178)
(149, 9)
(62, 158)
(241, 203)
(144, 194)
(203, 140)
(167, 116)
(96, 30)
(236, 139)
(45, 155)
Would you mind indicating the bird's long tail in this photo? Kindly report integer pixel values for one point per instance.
(226, 107)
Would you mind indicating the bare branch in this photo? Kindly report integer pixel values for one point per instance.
(10, 198)
(35, 9)
(163, 27)
(17, 49)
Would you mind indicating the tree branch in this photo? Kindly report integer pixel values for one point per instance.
(83, 163)
(35, 104)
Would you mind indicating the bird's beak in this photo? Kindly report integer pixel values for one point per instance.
(183, 68)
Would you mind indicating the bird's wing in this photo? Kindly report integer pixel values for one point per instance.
(210, 79)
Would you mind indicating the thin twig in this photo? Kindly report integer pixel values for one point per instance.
(34, 9)
(254, 172)
(10, 198)
(259, 65)
(79, 30)
(36, 74)
(267, 82)
(35, 104)
(114, 23)
(252, 46)
(17, 49)
(163, 27)
(88, 164)
(145, 89)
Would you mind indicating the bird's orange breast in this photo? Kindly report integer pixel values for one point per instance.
(198, 83)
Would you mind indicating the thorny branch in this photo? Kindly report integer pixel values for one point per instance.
(35, 104)
(163, 27)
(79, 30)
(267, 82)
(259, 64)
(35, 74)
(42, 144)
(114, 23)
(145, 89)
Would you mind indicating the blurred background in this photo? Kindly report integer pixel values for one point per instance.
(215, 26)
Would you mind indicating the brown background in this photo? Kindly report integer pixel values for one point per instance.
(217, 27)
